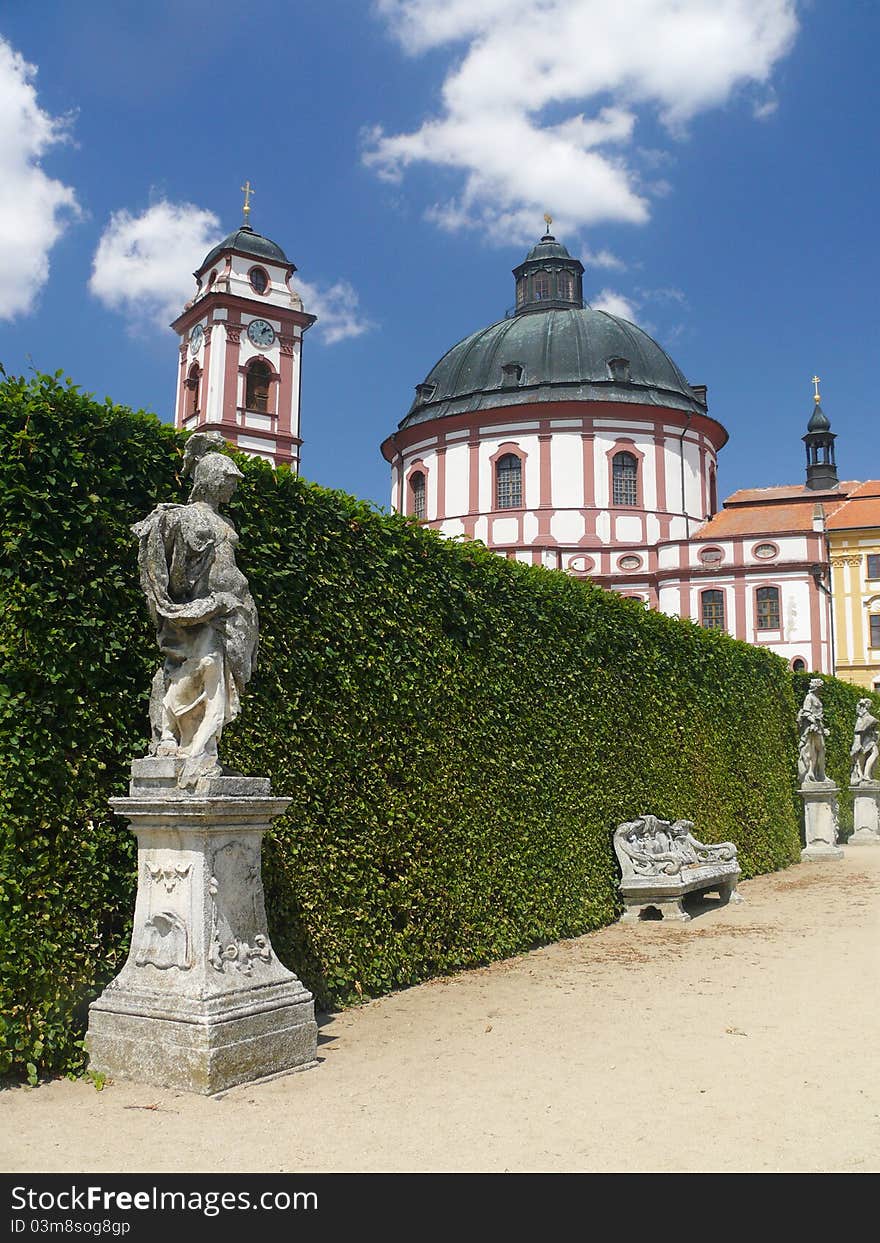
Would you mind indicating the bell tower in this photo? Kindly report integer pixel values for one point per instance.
(821, 467)
(241, 347)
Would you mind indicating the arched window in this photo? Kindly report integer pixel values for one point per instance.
(508, 482)
(565, 285)
(541, 286)
(417, 495)
(712, 610)
(520, 291)
(257, 387)
(713, 491)
(624, 476)
(768, 608)
(798, 665)
(192, 383)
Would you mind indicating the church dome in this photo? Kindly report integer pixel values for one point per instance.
(247, 242)
(554, 354)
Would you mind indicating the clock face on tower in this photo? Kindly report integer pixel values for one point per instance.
(195, 339)
(260, 332)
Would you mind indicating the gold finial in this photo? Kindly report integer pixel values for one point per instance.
(817, 398)
(548, 220)
(248, 191)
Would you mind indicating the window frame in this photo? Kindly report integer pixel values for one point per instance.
(417, 494)
(496, 481)
(629, 485)
(265, 367)
(874, 630)
(765, 587)
(720, 603)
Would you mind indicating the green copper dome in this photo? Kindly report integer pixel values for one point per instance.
(552, 347)
(547, 248)
(554, 354)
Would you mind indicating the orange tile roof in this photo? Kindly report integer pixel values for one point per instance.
(791, 492)
(870, 487)
(862, 512)
(757, 520)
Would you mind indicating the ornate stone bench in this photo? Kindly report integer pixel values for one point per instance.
(661, 861)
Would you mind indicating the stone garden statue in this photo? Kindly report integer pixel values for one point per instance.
(205, 617)
(202, 1002)
(812, 735)
(864, 750)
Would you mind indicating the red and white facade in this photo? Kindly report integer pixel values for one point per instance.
(240, 357)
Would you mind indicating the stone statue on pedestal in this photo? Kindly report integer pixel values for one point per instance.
(202, 1002)
(866, 791)
(818, 792)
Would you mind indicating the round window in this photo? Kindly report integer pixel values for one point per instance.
(710, 556)
(765, 551)
(629, 563)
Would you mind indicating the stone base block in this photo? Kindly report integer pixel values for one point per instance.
(864, 837)
(204, 1053)
(866, 814)
(817, 853)
(820, 822)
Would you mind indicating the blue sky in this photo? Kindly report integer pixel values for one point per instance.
(714, 163)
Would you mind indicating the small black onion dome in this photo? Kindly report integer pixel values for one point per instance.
(819, 421)
(247, 242)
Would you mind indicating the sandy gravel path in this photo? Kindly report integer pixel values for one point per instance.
(747, 1040)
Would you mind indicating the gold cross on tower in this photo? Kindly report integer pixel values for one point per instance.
(816, 398)
(248, 191)
(548, 220)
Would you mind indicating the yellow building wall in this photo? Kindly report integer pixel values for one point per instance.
(856, 597)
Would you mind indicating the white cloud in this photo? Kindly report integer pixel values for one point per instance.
(34, 208)
(144, 264)
(337, 308)
(143, 268)
(599, 60)
(615, 304)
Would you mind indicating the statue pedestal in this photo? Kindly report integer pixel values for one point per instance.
(866, 814)
(820, 821)
(202, 1002)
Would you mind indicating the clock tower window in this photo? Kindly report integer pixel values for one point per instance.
(259, 377)
(192, 383)
(259, 279)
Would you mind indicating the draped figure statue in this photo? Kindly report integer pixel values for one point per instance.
(864, 750)
(205, 618)
(812, 735)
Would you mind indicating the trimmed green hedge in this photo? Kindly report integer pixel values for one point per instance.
(459, 734)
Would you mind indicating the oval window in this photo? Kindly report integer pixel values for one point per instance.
(259, 280)
(629, 563)
(710, 556)
(765, 551)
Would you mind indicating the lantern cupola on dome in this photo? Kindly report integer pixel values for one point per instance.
(548, 277)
